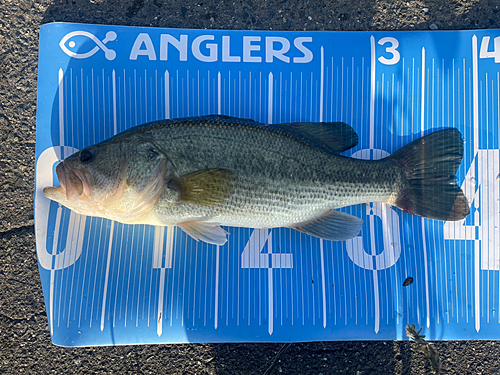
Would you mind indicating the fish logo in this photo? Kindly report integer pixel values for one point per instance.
(69, 48)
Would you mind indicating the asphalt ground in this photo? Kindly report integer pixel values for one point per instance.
(25, 345)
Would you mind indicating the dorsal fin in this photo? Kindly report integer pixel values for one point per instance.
(225, 117)
(331, 137)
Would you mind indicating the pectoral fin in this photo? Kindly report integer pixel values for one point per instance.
(208, 232)
(206, 188)
(334, 226)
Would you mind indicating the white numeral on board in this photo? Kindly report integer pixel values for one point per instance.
(482, 189)
(392, 49)
(253, 257)
(485, 54)
(391, 241)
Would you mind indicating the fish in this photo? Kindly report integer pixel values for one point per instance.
(203, 173)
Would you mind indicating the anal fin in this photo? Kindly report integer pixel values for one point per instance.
(334, 226)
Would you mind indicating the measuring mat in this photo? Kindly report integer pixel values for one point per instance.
(107, 283)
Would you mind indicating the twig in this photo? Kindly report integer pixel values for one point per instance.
(424, 347)
(280, 352)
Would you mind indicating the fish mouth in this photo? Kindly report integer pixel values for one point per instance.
(73, 182)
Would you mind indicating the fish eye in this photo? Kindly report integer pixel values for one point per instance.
(86, 155)
(152, 153)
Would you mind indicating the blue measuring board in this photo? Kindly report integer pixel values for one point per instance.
(108, 283)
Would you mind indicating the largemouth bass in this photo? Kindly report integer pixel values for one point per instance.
(201, 173)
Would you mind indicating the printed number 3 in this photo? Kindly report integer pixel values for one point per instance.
(391, 49)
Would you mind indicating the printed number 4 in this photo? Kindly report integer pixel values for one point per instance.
(392, 49)
(484, 54)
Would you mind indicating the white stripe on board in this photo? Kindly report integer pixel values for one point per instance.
(51, 300)
(484, 233)
(172, 296)
(106, 278)
(159, 236)
(270, 287)
(239, 93)
(424, 243)
(362, 90)
(270, 99)
(475, 94)
(372, 219)
(187, 92)
(161, 293)
(250, 92)
(195, 284)
(372, 93)
(496, 188)
(301, 91)
(322, 84)
(311, 99)
(270, 327)
(95, 275)
(167, 94)
(422, 94)
(227, 282)
(178, 97)
(216, 317)
(477, 249)
(60, 260)
(323, 289)
(444, 96)
(496, 242)
(140, 275)
(219, 94)
(169, 249)
(124, 125)
(157, 263)
(464, 187)
(257, 256)
(375, 274)
(77, 238)
(61, 109)
(103, 101)
(156, 96)
(128, 278)
(492, 214)
(352, 89)
(59, 209)
(81, 232)
(115, 121)
(110, 246)
(341, 88)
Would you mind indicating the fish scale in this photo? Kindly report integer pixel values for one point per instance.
(277, 174)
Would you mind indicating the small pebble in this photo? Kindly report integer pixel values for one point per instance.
(433, 26)
(425, 10)
(19, 182)
(408, 281)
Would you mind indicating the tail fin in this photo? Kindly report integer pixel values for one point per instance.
(429, 167)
